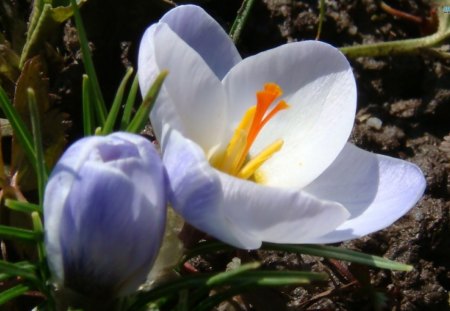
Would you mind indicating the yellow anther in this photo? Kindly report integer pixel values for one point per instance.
(249, 169)
(233, 159)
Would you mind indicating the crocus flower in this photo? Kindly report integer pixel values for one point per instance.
(104, 212)
(256, 149)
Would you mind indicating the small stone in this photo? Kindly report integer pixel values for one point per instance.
(374, 123)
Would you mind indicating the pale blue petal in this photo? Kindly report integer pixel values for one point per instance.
(240, 212)
(105, 218)
(200, 31)
(196, 95)
(376, 190)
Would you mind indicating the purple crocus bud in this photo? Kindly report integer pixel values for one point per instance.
(104, 212)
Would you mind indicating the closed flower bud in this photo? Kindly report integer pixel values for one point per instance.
(104, 212)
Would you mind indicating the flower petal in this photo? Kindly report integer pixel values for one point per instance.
(319, 87)
(205, 36)
(197, 191)
(102, 235)
(164, 110)
(376, 190)
(240, 212)
(196, 94)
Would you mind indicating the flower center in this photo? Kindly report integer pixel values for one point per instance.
(234, 160)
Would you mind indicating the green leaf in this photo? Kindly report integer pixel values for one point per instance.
(225, 276)
(115, 107)
(99, 102)
(44, 21)
(39, 229)
(141, 117)
(12, 233)
(131, 99)
(341, 254)
(41, 169)
(12, 293)
(241, 19)
(88, 122)
(20, 206)
(18, 269)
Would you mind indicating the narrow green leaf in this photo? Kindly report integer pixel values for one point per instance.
(18, 270)
(14, 233)
(22, 264)
(321, 18)
(169, 289)
(225, 276)
(143, 112)
(114, 111)
(25, 207)
(21, 131)
(88, 122)
(131, 99)
(41, 169)
(12, 293)
(39, 229)
(241, 19)
(99, 103)
(341, 254)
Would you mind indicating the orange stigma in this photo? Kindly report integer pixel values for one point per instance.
(236, 153)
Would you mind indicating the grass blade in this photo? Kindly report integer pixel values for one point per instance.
(225, 276)
(131, 99)
(24, 207)
(112, 115)
(241, 19)
(41, 169)
(341, 254)
(39, 229)
(12, 293)
(143, 112)
(18, 269)
(13, 233)
(88, 122)
(99, 103)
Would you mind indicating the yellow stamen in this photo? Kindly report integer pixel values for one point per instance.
(233, 159)
(249, 169)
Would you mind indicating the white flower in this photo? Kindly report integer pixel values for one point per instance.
(104, 212)
(300, 182)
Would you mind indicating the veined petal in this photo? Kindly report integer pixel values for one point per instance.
(278, 215)
(104, 254)
(196, 93)
(240, 212)
(200, 31)
(375, 189)
(319, 86)
(164, 110)
(197, 191)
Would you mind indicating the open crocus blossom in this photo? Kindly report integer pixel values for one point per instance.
(256, 149)
(104, 212)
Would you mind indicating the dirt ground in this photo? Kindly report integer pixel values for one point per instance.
(403, 111)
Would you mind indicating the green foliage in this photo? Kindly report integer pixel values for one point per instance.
(44, 21)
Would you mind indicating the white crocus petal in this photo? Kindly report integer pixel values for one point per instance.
(201, 103)
(200, 31)
(148, 70)
(319, 86)
(240, 212)
(375, 189)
